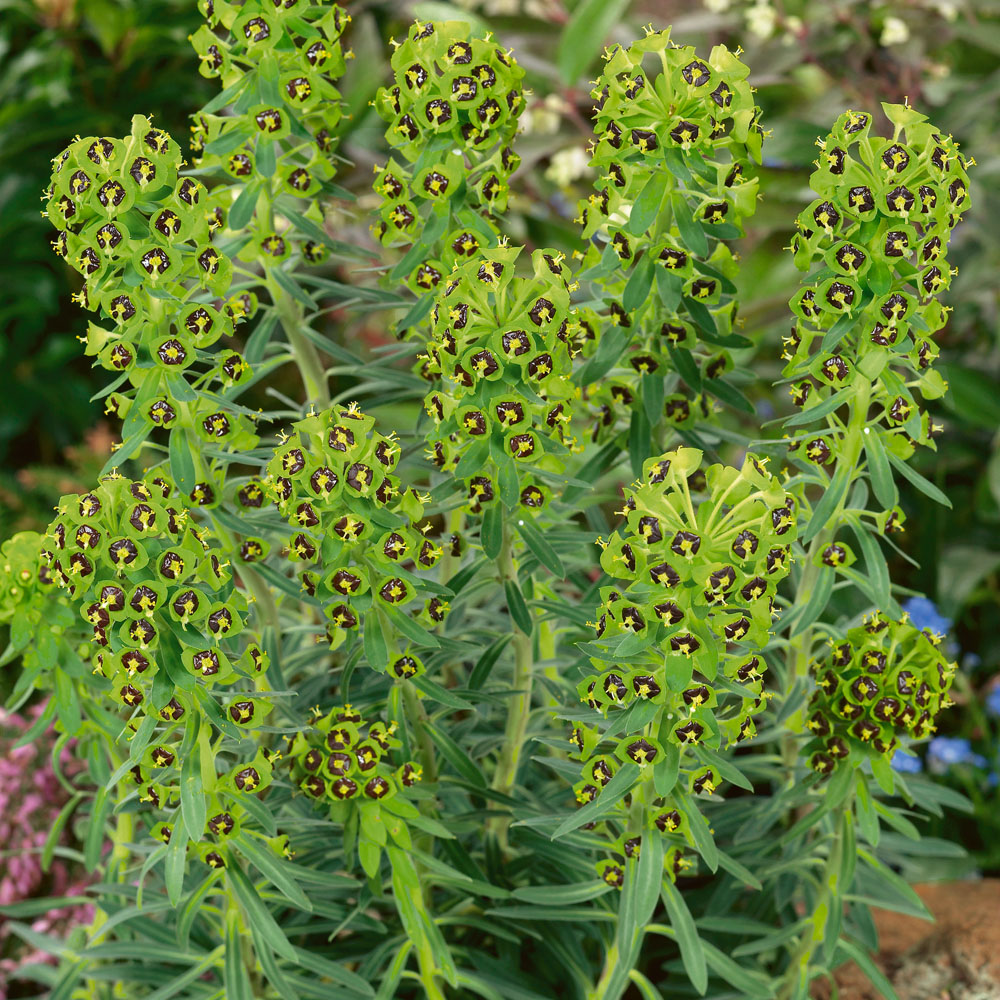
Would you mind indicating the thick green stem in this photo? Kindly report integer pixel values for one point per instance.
(520, 707)
(795, 981)
(800, 647)
(416, 716)
(303, 349)
(600, 990)
(290, 314)
(428, 979)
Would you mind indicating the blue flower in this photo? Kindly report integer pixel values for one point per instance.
(923, 613)
(993, 700)
(906, 764)
(944, 751)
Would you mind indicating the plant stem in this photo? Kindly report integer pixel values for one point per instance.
(416, 715)
(303, 349)
(290, 314)
(428, 967)
(800, 647)
(796, 978)
(517, 717)
(600, 990)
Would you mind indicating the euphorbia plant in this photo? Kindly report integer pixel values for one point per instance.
(337, 681)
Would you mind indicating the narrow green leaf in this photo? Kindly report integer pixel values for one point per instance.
(697, 827)
(924, 485)
(455, 755)
(485, 663)
(612, 793)
(669, 287)
(540, 547)
(813, 413)
(864, 962)
(274, 869)
(519, 612)
(646, 207)
(729, 395)
(173, 876)
(507, 483)
(692, 234)
(827, 504)
(879, 473)
(641, 279)
(257, 913)
(96, 828)
(685, 365)
(837, 332)
(234, 975)
(243, 208)
(284, 280)
(181, 460)
(726, 769)
(692, 953)
(561, 895)
(491, 531)
(193, 806)
(878, 570)
(376, 650)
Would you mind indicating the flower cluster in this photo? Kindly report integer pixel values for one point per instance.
(278, 63)
(502, 346)
(876, 239)
(356, 531)
(344, 763)
(671, 158)
(140, 234)
(164, 615)
(882, 681)
(452, 110)
(680, 631)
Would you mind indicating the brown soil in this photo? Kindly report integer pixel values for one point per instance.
(956, 958)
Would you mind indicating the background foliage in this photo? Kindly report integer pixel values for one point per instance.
(86, 67)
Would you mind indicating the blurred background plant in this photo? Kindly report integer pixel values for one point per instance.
(37, 856)
(85, 66)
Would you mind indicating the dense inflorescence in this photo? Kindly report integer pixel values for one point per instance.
(680, 633)
(502, 346)
(356, 534)
(452, 109)
(278, 64)
(882, 681)
(164, 615)
(875, 242)
(140, 233)
(672, 157)
(344, 763)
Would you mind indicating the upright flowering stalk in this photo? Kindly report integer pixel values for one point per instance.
(140, 234)
(275, 150)
(452, 109)
(356, 534)
(677, 661)
(672, 155)
(875, 242)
